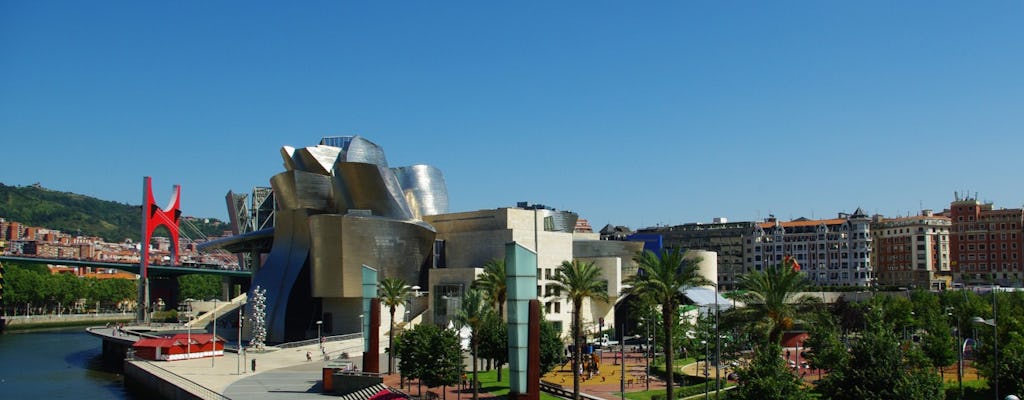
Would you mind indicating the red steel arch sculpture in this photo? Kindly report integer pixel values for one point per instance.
(152, 217)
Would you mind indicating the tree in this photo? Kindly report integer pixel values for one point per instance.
(199, 287)
(494, 341)
(551, 346)
(579, 281)
(430, 354)
(827, 351)
(445, 359)
(1009, 325)
(773, 298)
(768, 377)
(492, 281)
(938, 342)
(880, 368)
(662, 280)
(393, 292)
(473, 313)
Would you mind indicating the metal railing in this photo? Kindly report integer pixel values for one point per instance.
(309, 342)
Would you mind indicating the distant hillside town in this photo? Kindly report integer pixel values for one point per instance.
(17, 239)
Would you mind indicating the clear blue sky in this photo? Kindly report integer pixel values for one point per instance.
(630, 113)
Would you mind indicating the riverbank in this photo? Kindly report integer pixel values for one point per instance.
(19, 323)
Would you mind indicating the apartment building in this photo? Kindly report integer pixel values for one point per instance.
(722, 237)
(986, 243)
(833, 252)
(912, 251)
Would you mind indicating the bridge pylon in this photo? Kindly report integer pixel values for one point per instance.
(152, 217)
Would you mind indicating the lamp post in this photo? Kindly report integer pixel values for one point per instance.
(319, 336)
(647, 353)
(241, 349)
(959, 354)
(707, 355)
(213, 359)
(995, 339)
(188, 333)
(622, 358)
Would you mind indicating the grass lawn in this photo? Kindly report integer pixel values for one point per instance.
(490, 387)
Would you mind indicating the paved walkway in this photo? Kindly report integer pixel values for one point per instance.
(285, 373)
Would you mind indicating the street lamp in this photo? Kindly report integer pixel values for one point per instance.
(995, 344)
(241, 349)
(188, 333)
(707, 355)
(319, 336)
(959, 354)
(213, 359)
(995, 337)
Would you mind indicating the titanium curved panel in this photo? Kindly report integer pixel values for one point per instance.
(288, 157)
(317, 159)
(424, 189)
(341, 244)
(300, 189)
(281, 269)
(371, 187)
(364, 151)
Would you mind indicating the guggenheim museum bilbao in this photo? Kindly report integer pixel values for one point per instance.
(338, 206)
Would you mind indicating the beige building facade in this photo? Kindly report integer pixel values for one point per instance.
(468, 240)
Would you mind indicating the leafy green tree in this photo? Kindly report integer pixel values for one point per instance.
(1009, 317)
(393, 292)
(579, 281)
(445, 360)
(551, 346)
(938, 343)
(492, 281)
(430, 354)
(473, 313)
(662, 280)
(880, 368)
(827, 351)
(774, 299)
(769, 378)
(199, 286)
(23, 287)
(494, 341)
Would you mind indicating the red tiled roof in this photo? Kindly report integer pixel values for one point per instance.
(158, 342)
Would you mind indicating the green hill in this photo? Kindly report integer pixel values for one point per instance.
(83, 215)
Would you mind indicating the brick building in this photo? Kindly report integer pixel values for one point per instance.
(912, 251)
(986, 244)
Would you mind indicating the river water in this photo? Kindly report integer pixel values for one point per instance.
(56, 364)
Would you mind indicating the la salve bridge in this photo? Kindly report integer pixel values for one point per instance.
(154, 270)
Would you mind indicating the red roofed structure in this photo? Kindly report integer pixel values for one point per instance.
(178, 347)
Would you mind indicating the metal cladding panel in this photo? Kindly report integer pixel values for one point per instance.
(317, 159)
(560, 221)
(364, 151)
(371, 187)
(288, 157)
(521, 273)
(424, 189)
(298, 189)
(281, 268)
(341, 244)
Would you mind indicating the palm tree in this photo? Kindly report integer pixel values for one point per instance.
(473, 313)
(773, 298)
(662, 280)
(580, 281)
(492, 282)
(393, 293)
